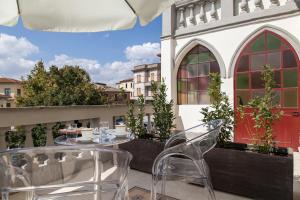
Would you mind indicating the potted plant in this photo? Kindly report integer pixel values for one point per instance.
(253, 172)
(147, 145)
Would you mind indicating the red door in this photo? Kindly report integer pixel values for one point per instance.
(269, 48)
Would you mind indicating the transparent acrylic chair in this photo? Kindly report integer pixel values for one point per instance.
(182, 159)
(77, 172)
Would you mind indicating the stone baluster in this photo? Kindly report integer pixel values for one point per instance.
(213, 11)
(28, 134)
(3, 131)
(181, 17)
(244, 6)
(49, 132)
(192, 17)
(202, 17)
(68, 123)
(292, 2)
(258, 5)
(274, 3)
(84, 123)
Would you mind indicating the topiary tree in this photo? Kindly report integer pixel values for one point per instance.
(220, 108)
(141, 131)
(130, 119)
(263, 113)
(163, 111)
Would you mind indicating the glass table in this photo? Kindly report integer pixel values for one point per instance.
(110, 137)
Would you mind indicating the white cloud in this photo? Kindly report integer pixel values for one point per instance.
(145, 53)
(15, 60)
(113, 72)
(14, 53)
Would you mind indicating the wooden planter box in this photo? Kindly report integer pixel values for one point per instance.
(249, 174)
(255, 175)
(144, 153)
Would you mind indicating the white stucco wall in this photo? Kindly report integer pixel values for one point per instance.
(227, 43)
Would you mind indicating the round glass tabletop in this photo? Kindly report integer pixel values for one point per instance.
(108, 138)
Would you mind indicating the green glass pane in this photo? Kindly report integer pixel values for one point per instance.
(242, 81)
(242, 97)
(192, 70)
(204, 57)
(203, 69)
(258, 44)
(276, 98)
(273, 42)
(277, 79)
(243, 64)
(257, 62)
(192, 59)
(290, 78)
(289, 59)
(182, 85)
(192, 98)
(203, 97)
(192, 84)
(290, 98)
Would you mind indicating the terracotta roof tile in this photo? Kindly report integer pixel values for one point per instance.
(8, 80)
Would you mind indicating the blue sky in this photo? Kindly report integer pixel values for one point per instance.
(107, 56)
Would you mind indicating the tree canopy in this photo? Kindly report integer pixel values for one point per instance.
(69, 85)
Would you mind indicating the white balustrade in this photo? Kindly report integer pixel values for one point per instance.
(49, 116)
(274, 3)
(49, 133)
(28, 134)
(181, 17)
(3, 131)
(192, 17)
(258, 5)
(244, 6)
(202, 17)
(213, 11)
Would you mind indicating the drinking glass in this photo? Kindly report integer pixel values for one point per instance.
(103, 127)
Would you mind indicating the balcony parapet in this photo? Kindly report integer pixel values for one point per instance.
(29, 117)
(191, 16)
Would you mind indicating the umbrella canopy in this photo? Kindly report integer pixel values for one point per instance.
(80, 15)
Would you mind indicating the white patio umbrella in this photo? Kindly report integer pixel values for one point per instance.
(80, 15)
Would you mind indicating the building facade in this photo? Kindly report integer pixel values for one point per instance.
(235, 38)
(10, 89)
(127, 85)
(114, 95)
(144, 76)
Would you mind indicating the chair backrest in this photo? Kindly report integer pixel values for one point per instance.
(47, 170)
(203, 137)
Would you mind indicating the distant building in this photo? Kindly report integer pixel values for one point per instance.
(10, 89)
(127, 85)
(144, 75)
(115, 95)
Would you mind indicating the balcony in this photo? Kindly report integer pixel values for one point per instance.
(192, 16)
(29, 117)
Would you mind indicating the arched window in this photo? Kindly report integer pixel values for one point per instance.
(193, 76)
(271, 49)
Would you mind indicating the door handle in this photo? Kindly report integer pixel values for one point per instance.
(296, 114)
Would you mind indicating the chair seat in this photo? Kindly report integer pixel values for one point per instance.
(183, 169)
